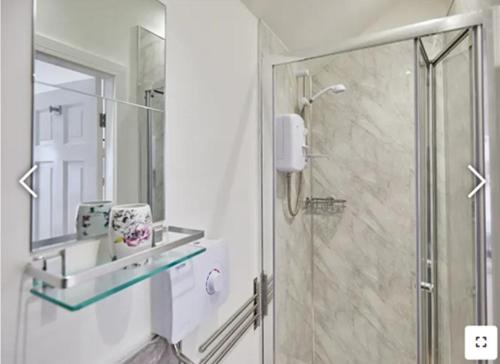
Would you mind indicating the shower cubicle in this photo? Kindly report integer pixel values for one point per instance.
(381, 249)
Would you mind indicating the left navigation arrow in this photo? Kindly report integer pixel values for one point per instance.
(23, 179)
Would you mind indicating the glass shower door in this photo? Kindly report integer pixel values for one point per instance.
(450, 230)
(345, 272)
(398, 270)
(363, 266)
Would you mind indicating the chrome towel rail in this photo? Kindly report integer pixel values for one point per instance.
(203, 347)
(223, 340)
(234, 341)
(231, 339)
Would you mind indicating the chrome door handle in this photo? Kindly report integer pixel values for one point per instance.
(426, 286)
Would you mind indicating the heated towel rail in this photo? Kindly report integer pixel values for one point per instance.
(225, 338)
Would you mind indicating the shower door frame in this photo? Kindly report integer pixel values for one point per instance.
(427, 197)
(486, 151)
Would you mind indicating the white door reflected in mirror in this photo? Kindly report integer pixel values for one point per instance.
(67, 152)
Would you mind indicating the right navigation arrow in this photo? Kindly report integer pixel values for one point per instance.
(480, 185)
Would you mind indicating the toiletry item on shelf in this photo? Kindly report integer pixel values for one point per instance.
(158, 234)
(130, 229)
(92, 219)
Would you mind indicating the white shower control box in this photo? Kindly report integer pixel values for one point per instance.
(186, 295)
(290, 143)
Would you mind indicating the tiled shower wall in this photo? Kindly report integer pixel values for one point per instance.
(293, 256)
(364, 257)
(345, 283)
(293, 249)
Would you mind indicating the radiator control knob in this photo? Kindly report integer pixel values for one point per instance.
(214, 282)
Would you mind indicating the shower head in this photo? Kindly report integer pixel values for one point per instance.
(335, 89)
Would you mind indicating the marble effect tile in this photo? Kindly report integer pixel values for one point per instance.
(293, 244)
(364, 259)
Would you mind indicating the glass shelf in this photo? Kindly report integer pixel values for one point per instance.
(68, 278)
(87, 293)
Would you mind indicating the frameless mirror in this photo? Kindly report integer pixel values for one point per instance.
(98, 110)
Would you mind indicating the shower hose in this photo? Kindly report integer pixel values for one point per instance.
(293, 210)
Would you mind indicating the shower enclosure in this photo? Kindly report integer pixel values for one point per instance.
(391, 253)
(154, 145)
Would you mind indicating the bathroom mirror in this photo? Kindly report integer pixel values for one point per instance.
(98, 110)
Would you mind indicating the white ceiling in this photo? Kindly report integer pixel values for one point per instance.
(55, 75)
(309, 23)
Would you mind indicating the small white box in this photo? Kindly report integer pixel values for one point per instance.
(185, 296)
(290, 143)
(481, 342)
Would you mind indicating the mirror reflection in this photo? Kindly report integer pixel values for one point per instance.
(98, 111)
